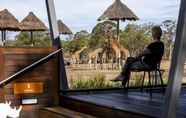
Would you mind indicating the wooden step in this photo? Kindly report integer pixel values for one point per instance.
(60, 112)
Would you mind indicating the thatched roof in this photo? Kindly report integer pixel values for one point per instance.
(32, 23)
(8, 21)
(118, 11)
(63, 29)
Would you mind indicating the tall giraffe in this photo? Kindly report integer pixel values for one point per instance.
(94, 56)
(76, 55)
(120, 52)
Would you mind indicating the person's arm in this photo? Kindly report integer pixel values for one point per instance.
(143, 53)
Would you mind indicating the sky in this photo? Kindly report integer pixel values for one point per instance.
(82, 14)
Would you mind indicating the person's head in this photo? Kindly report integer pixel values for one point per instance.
(156, 32)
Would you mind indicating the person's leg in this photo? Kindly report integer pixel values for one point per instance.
(126, 70)
(127, 65)
(135, 65)
(125, 74)
(132, 64)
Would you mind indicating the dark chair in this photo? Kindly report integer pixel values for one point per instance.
(154, 76)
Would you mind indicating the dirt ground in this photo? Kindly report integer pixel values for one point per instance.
(85, 71)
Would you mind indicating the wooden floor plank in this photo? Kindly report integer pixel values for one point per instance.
(125, 106)
(143, 103)
(136, 102)
(60, 112)
(127, 99)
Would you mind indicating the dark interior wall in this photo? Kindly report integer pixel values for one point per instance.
(14, 59)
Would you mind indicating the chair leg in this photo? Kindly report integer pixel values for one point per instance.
(153, 83)
(128, 83)
(125, 84)
(156, 79)
(161, 80)
(143, 79)
(150, 84)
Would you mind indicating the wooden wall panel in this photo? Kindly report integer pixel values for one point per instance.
(14, 59)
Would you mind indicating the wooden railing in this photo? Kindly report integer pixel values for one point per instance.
(28, 68)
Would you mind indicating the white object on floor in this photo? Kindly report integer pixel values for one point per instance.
(7, 111)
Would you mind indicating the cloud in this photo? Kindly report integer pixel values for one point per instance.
(83, 14)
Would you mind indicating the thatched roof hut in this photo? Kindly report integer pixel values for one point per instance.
(63, 29)
(8, 21)
(32, 23)
(118, 10)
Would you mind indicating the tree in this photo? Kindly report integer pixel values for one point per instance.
(74, 45)
(102, 33)
(40, 39)
(169, 29)
(135, 38)
(22, 39)
(81, 35)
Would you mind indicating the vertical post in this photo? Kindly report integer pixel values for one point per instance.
(2, 37)
(56, 43)
(118, 59)
(177, 66)
(31, 38)
(4, 33)
(118, 37)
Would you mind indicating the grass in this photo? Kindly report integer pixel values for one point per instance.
(96, 82)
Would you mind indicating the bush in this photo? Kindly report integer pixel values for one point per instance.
(96, 82)
(99, 82)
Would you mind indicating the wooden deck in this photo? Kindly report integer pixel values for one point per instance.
(120, 104)
(59, 112)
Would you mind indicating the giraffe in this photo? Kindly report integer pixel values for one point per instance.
(119, 52)
(112, 52)
(76, 55)
(94, 57)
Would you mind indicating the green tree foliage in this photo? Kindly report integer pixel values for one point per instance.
(65, 44)
(101, 33)
(80, 40)
(23, 39)
(76, 45)
(169, 29)
(83, 34)
(40, 39)
(135, 38)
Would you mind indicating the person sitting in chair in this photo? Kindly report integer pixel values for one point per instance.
(149, 58)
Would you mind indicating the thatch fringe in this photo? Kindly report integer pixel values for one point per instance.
(63, 29)
(8, 21)
(32, 23)
(118, 11)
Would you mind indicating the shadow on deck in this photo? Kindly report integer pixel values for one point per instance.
(120, 104)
